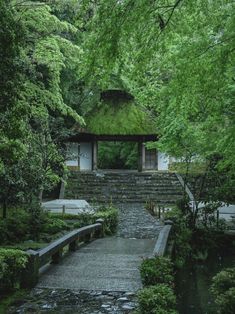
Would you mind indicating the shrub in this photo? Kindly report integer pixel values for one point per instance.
(110, 216)
(54, 225)
(159, 299)
(22, 225)
(12, 262)
(183, 237)
(37, 219)
(226, 302)
(223, 289)
(156, 270)
(174, 214)
(15, 227)
(85, 219)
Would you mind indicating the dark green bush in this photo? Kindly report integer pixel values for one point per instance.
(37, 219)
(84, 219)
(12, 263)
(226, 302)
(159, 299)
(110, 216)
(223, 281)
(183, 238)
(223, 289)
(156, 270)
(54, 225)
(22, 225)
(15, 227)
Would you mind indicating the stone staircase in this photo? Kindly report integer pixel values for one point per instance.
(123, 187)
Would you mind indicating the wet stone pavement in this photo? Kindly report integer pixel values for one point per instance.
(102, 277)
(73, 302)
(136, 222)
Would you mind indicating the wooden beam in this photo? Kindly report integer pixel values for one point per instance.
(88, 137)
(94, 155)
(140, 156)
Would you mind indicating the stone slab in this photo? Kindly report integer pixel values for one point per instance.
(72, 206)
(225, 211)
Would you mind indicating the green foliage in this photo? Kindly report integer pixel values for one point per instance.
(196, 242)
(16, 227)
(23, 225)
(37, 50)
(12, 113)
(159, 299)
(156, 270)
(125, 119)
(54, 225)
(190, 99)
(117, 155)
(183, 237)
(223, 289)
(12, 263)
(223, 281)
(194, 167)
(108, 214)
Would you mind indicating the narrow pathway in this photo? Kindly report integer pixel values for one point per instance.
(109, 264)
(136, 222)
(102, 277)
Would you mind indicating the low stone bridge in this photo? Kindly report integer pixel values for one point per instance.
(101, 277)
(108, 264)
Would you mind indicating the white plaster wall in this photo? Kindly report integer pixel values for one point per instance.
(85, 156)
(72, 154)
(163, 161)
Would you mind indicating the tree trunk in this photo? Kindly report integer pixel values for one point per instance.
(40, 196)
(4, 209)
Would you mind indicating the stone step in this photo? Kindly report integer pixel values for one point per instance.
(130, 187)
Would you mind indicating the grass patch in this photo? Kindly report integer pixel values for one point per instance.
(15, 297)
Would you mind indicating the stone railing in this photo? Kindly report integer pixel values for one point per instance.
(161, 245)
(185, 187)
(54, 251)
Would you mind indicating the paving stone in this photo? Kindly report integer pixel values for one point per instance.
(76, 302)
(102, 277)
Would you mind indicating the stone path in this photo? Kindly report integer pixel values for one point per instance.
(109, 264)
(136, 222)
(76, 302)
(102, 277)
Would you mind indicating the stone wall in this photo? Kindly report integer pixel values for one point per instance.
(124, 187)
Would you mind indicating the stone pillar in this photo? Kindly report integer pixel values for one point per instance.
(30, 275)
(143, 156)
(140, 156)
(101, 232)
(94, 155)
(156, 165)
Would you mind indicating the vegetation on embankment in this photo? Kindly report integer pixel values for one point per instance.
(29, 229)
(197, 243)
(22, 231)
(194, 243)
(223, 290)
(158, 294)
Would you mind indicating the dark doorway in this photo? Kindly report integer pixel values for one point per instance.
(117, 155)
(150, 159)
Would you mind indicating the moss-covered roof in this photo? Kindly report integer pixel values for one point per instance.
(119, 115)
